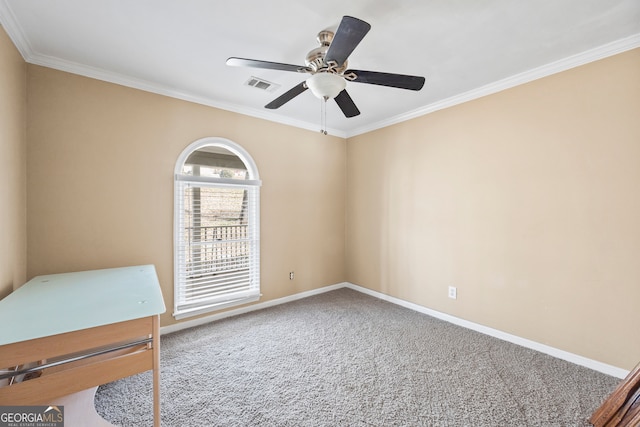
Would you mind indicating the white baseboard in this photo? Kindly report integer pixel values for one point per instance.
(259, 306)
(551, 351)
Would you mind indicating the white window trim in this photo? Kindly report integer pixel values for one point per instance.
(252, 181)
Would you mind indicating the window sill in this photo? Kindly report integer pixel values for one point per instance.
(183, 314)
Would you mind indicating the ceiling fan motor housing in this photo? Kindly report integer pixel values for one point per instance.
(315, 58)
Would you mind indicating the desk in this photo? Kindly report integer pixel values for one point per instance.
(74, 331)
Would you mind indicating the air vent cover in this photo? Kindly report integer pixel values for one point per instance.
(261, 84)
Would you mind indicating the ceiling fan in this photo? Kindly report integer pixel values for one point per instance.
(327, 65)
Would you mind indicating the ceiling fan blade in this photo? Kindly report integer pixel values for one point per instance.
(255, 63)
(349, 34)
(400, 81)
(287, 96)
(346, 104)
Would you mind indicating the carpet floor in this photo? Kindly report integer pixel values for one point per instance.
(343, 358)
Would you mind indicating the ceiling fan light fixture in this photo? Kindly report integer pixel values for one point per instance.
(326, 85)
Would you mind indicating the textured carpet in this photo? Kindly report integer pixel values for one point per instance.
(346, 359)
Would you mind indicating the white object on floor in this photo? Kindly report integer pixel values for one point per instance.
(80, 411)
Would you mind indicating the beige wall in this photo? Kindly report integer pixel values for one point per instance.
(13, 167)
(527, 200)
(100, 178)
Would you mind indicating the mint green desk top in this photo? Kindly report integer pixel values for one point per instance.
(60, 303)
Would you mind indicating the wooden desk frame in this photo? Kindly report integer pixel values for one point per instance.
(74, 376)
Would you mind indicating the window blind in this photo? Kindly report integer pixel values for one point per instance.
(217, 244)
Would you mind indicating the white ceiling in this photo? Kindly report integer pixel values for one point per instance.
(464, 48)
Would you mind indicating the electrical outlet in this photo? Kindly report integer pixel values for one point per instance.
(453, 292)
(291, 275)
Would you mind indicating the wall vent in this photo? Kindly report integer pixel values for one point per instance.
(261, 84)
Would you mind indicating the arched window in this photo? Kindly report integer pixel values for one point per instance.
(216, 228)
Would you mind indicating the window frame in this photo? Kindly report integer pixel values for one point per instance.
(252, 181)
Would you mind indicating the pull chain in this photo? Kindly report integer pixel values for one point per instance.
(323, 115)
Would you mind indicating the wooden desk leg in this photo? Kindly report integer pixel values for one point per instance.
(156, 371)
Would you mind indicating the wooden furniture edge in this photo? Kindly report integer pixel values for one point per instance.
(73, 377)
(54, 346)
(605, 415)
(156, 370)
(44, 389)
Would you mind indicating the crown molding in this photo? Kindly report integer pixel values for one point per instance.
(123, 80)
(601, 52)
(13, 29)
